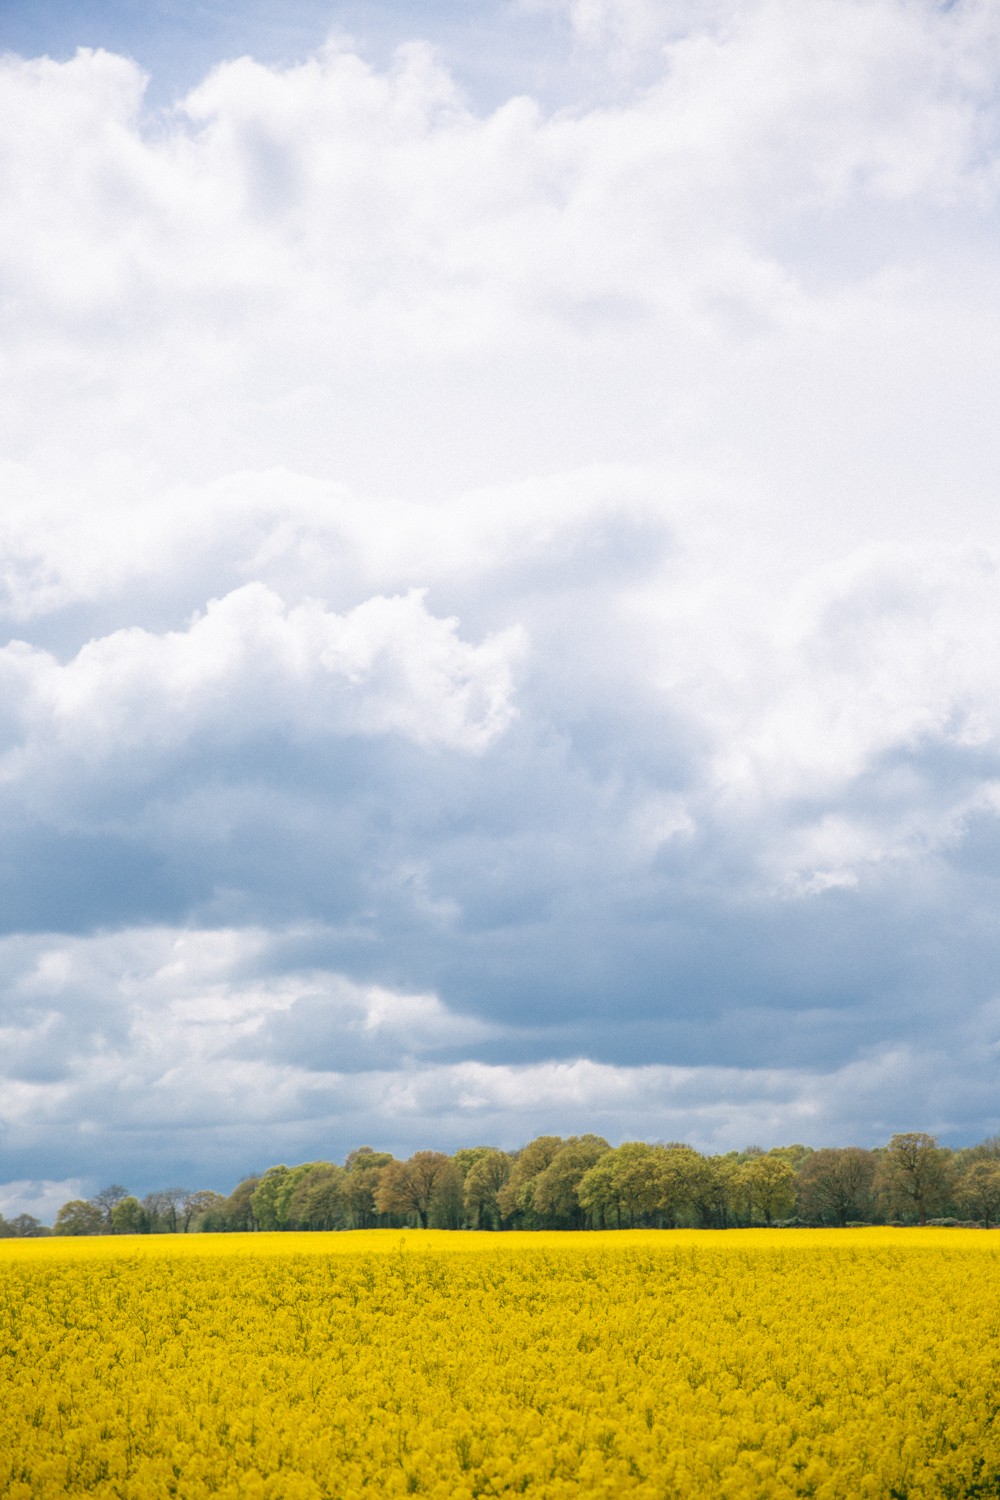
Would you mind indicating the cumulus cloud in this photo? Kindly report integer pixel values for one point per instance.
(248, 664)
(528, 574)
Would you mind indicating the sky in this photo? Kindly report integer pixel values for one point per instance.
(499, 579)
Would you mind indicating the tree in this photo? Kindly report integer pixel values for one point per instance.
(599, 1194)
(987, 1150)
(835, 1185)
(554, 1189)
(486, 1175)
(106, 1199)
(129, 1217)
(447, 1206)
(710, 1185)
(23, 1227)
(317, 1199)
(164, 1209)
(79, 1216)
(407, 1188)
(634, 1184)
(270, 1198)
(362, 1169)
(676, 1177)
(273, 1195)
(979, 1190)
(766, 1184)
(515, 1199)
(197, 1207)
(236, 1214)
(642, 1184)
(914, 1176)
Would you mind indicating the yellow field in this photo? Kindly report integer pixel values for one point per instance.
(646, 1364)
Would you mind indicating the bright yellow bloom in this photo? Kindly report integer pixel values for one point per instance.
(743, 1365)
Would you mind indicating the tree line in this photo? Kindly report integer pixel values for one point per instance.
(579, 1182)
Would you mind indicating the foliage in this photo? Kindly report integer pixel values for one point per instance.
(77, 1217)
(575, 1183)
(835, 1185)
(914, 1177)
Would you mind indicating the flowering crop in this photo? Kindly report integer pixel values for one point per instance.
(671, 1364)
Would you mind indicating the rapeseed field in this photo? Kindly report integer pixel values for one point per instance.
(649, 1364)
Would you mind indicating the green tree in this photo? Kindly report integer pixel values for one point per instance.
(198, 1207)
(79, 1216)
(914, 1177)
(447, 1205)
(515, 1199)
(979, 1190)
(23, 1227)
(678, 1170)
(129, 1217)
(766, 1185)
(270, 1198)
(317, 1198)
(835, 1185)
(710, 1185)
(236, 1213)
(637, 1181)
(362, 1169)
(599, 1194)
(484, 1178)
(554, 1189)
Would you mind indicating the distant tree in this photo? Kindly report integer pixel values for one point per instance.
(554, 1189)
(659, 1185)
(163, 1209)
(129, 1217)
(467, 1156)
(447, 1205)
(366, 1159)
(79, 1216)
(362, 1169)
(636, 1180)
(678, 1172)
(515, 1199)
(407, 1188)
(23, 1227)
(317, 1198)
(599, 1193)
(236, 1215)
(274, 1193)
(106, 1199)
(795, 1155)
(197, 1207)
(765, 1184)
(979, 1190)
(914, 1177)
(710, 1185)
(835, 1185)
(987, 1150)
(484, 1178)
(270, 1198)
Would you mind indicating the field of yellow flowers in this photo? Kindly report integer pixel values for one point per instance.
(647, 1364)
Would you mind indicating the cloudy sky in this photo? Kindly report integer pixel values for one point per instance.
(499, 577)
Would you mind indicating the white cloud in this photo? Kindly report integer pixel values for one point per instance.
(248, 664)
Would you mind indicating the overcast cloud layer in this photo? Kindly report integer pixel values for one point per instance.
(501, 601)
